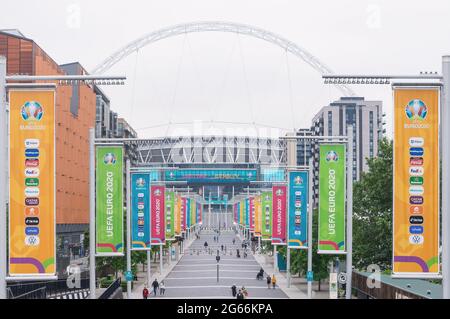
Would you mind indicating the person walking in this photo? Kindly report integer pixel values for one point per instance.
(206, 245)
(234, 290)
(244, 292)
(145, 292)
(234, 241)
(274, 281)
(162, 288)
(155, 286)
(268, 280)
(240, 295)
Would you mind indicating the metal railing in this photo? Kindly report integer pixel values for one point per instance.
(46, 288)
(111, 289)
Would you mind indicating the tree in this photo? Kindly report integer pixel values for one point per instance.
(372, 212)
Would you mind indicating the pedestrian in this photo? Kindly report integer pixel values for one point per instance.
(237, 253)
(274, 281)
(234, 290)
(240, 295)
(206, 245)
(162, 288)
(234, 240)
(244, 292)
(221, 247)
(145, 292)
(268, 280)
(155, 286)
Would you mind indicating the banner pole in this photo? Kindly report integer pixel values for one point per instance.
(3, 178)
(310, 226)
(149, 273)
(349, 262)
(288, 266)
(128, 196)
(92, 237)
(445, 135)
(160, 259)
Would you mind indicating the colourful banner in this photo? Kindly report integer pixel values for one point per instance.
(257, 203)
(193, 212)
(247, 213)
(242, 213)
(109, 200)
(177, 220)
(298, 209)
(235, 208)
(140, 211)
(279, 215)
(188, 213)
(266, 220)
(416, 182)
(32, 182)
(158, 227)
(183, 214)
(170, 215)
(252, 213)
(332, 199)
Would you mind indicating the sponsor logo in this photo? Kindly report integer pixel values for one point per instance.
(416, 180)
(332, 156)
(416, 220)
(416, 142)
(416, 230)
(416, 239)
(31, 221)
(298, 203)
(417, 210)
(298, 193)
(109, 159)
(31, 162)
(416, 171)
(31, 152)
(32, 110)
(31, 191)
(416, 200)
(31, 172)
(416, 110)
(416, 190)
(141, 234)
(31, 240)
(32, 182)
(279, 192)
(298, 180)
(140, 182)
(140, 195)
(31, 201)
(157, 192)
(140, 214)
(416, 161)
(416, 151)
(32, 143)
(30, 231)
(141, 206)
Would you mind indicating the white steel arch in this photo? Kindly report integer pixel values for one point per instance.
(220, 26)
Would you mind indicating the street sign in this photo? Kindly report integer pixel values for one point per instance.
(128, 276)
(310, 276)
(342, 278)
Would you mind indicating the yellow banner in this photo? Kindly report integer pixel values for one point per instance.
(416, 181)
(258, 214)
(32, 182)
(177, 221)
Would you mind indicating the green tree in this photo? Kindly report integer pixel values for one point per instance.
(372, 212)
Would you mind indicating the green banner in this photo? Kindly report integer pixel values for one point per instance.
(170, 215)
(266, 218)
(109, 200)
(332, 199)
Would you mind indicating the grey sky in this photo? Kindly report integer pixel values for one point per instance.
(216, 76)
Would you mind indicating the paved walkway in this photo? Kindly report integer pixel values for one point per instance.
(195, 275)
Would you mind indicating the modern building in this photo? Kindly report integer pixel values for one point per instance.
(304, 147)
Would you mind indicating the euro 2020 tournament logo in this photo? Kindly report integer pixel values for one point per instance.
(332, 156)
(416, 110)
(109, 159)
(279, 192)
(157, 192)
(140, 182)
(298, 180)
(32, 110)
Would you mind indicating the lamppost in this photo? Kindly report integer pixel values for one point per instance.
(218, 259)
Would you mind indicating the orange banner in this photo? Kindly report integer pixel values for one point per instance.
(258, 214)
(32, 182)
(416, 182)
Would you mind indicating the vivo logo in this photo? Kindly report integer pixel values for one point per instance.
(31, 240)
(32, 221)
(31, 191)
(416, 190)
(416, 239)
(31, 172)
(32, 143)
(416, 141)
(416, 171)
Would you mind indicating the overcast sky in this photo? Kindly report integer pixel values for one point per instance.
(225, 77)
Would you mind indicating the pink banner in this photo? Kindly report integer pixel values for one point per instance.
(279, 215)
(252, 214)
(183, 214)
(158, 226)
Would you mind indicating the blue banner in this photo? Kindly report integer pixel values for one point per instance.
(298, 209)
(220, 176)
(188, 213)
(140, 211)
(247, 213)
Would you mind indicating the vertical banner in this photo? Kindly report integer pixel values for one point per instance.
(32, 182)
(266, 220)
(183, 214)
(416, 182)
(188, 213)
(170, 215)
(252, 213)
(193, 212)
(332, 179)
(298, 209)
(109, 200)
(140, 211)
(235, 213)
(177, 219)
(279, 215)
(158, 228)
(257, 203)
(247, 213)
(200, 212)
(242, 213)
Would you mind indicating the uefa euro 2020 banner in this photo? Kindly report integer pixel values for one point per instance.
(109, 200)
(257, 208)
(266, 217)
(170, 215)
(177, 215)
(298, 209)
(332, 199)
(32, 182)
(158, 227)
(279, 215)
(247, 213)
(416, 182)
(183, 214)
(140, 211)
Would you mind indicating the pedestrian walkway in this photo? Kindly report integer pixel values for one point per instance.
(195, 275)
